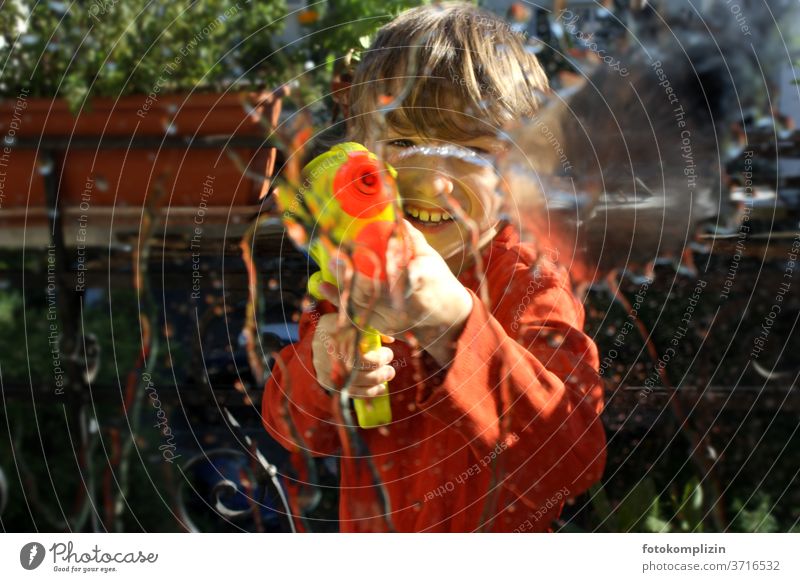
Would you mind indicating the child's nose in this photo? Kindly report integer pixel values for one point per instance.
(425, 184)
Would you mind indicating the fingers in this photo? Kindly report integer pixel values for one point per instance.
(399, 253)
(329, 292)
(365, 377)
(369, 383)
(372, 372)
(362, 290)
(364, 380)
(416, 240)
(375, 358)
(374, 391)
(372, 294)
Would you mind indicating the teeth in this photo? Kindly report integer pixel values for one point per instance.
(432, 216)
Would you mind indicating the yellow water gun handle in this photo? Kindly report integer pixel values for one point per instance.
(372, 412)
(376, 411)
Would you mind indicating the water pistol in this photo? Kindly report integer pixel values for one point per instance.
(347, 203)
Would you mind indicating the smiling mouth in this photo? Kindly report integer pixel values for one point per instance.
(426, 216)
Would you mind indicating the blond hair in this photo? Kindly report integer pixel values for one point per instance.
(444, 59)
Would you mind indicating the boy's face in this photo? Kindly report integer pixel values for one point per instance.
(437, 175)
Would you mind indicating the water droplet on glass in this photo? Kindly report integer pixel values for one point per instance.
(640, 279)
(45, 167)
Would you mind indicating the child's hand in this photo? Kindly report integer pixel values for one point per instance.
(423, 297)
(334, 357)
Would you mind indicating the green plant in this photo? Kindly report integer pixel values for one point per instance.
(758, 517)
(681, 509)
(346, 24)
(638, 511)
(336, 31)
(642, 509)
(91, 48)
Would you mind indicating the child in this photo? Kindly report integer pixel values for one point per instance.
(496, 407)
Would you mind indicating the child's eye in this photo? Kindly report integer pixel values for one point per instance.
(401, 143)
(480, 151)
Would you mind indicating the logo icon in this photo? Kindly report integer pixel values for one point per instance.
(31, 555)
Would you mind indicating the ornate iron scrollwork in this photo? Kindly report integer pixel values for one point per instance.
(262, 474)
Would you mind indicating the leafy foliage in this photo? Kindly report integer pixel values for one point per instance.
(335, 32)
(91, 48)
(758, 517)
(345, 24)
(112, 48)
(682, 509)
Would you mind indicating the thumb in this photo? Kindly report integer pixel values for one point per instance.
(416, 241)
(403, 247)
(329, 292)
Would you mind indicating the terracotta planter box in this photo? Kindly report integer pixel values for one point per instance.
(204, 149)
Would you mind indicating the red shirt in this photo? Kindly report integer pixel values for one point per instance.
(495, 442)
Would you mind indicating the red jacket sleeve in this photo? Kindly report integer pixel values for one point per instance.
(295, 409)
(523, 387)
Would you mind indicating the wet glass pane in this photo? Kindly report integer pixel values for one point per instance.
(348, 267)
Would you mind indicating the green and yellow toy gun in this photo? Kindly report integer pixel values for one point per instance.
(348, 200)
